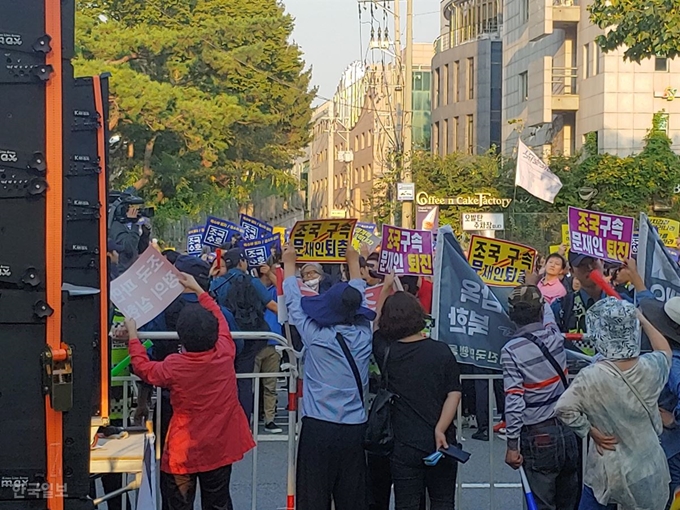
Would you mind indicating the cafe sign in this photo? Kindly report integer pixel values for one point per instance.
(476, 200)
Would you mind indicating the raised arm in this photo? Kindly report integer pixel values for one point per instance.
(291, 292)
(151, 372)
(656, 339)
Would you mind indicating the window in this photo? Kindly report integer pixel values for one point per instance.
(598, 58)
(445, 137)
(661, 64)
(470, 135)
(524, 11)
(437, 96)
(363, 140)
(435, 138)
(456, 130)
(587, 61)
(447, 96)
(356, 143)
(524, 86)
(369, 173)
(456, 72)
(471, 78)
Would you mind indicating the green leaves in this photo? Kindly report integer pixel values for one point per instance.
(211, 100)
(645, 28)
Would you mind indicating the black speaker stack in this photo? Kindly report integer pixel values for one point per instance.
(53, 283)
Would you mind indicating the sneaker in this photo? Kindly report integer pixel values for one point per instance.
(481, 435)
(272, 428)
(499, 428)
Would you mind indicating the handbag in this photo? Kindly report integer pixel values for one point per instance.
(379, 435)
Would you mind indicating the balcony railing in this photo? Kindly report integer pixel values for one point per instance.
(467, 33)
(565, 3)
(564, 80)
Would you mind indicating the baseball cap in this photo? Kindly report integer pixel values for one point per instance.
(233, 256)
(112, 245)
(525, 296)
(576, 259)
(195, 267)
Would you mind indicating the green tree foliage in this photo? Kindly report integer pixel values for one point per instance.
(625, 185)
(644, 27)
(209, 97)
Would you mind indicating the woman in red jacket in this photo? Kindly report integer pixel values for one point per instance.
(208, 431)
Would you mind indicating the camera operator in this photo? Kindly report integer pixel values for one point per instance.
(130, 229)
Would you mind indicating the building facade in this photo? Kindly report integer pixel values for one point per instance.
(558, 86)
(467, 78)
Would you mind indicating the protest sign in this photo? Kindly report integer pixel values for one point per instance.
(659, 272)
(322, 240)
(668, 230)
(468, 315)
(600, 235)
(634, 244)
(254, 228)
(259, 251)
(499, 262)
(283, 232)
(407, 252)
(218, 232)
(367, 237)
(147, 288)
(371, 227)
(565, 234)
(194, 238)
(427, 217)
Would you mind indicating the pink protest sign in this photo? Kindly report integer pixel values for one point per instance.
(600, 235)
(408, 252)
(147, 288)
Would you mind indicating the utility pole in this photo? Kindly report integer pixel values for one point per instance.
(331, 161)
(398, 101)
(407, 114)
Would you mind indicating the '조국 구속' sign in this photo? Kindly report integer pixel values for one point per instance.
(407, 252)
(500, 263)
(600, 235)
(322, 240)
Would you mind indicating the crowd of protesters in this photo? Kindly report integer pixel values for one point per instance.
(621, 402)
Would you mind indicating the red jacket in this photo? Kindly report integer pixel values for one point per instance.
(208, 429)
(425, 295)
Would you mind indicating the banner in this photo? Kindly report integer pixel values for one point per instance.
(659, 272)
(219, 232)
(668, 230)
(147, 288)
(367, 237)
(499, 262)
(323, 241)
(634, 244)
(194, 238)
(371, 227)
(259, 251)
(600, 235)
(565, 234)
(407, 252)
(468, 316)
(283, 232)
(254, 228)
(146, 497)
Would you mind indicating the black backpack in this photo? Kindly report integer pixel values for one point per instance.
(242, 301)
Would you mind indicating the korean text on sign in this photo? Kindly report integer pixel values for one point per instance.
(407, 252)
(600, 235)
(500, 263)
(194, 240)
(363, 236)
(668, 230)
(218, 232)
(147, 288)
(254, 228)
(259, 251)
(322, 240)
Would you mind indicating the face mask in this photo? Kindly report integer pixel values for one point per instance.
(313, 284)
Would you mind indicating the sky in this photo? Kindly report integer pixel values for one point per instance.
(328, 33)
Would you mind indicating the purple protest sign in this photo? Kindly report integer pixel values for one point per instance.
(600, 235)
(408, 252)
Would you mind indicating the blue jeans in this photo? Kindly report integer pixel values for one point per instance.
(588, 501)
(674, 469)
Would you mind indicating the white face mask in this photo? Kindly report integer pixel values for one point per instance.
(313, 284)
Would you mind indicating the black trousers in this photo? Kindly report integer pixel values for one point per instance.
(552, 462)
(331, 465)
(245, 364)
(380, 483)
(482, 398)
(412, 478)
(178, 491)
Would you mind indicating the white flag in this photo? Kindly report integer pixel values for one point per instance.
(534, 175)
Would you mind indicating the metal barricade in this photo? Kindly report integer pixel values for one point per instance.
(289, 370)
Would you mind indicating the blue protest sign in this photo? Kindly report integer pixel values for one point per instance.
(258, 251)
(469, 317)
(254, 228)
(371, 227)
(219, 231)
(194, 240)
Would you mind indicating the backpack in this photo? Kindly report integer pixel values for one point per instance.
(379, 435)
(243, 302)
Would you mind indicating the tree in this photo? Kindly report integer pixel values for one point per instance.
(210, 100)
(646, 28)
